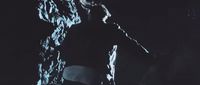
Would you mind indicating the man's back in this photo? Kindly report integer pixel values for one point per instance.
(88, 45)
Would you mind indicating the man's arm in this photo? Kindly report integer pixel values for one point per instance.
(128, 45)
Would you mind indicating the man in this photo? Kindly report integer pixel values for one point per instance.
(88, 46)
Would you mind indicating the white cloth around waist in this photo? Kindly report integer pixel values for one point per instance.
(81, 74)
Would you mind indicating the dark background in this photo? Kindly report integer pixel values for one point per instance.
(170, 29)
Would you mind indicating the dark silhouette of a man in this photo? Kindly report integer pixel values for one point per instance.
(87, 46)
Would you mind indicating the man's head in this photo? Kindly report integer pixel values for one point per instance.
(95, 9)
(99, 12)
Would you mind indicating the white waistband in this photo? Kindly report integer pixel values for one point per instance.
(81, 74)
